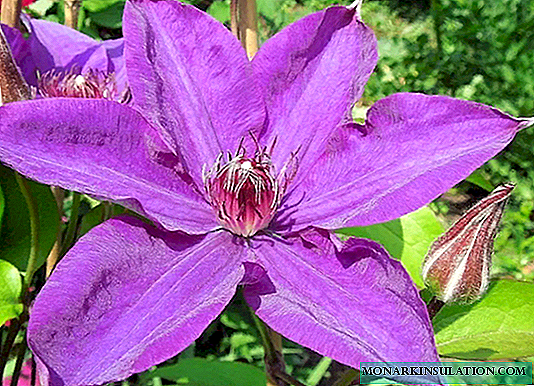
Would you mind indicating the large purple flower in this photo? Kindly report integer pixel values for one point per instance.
(244, 167)
(54, 55)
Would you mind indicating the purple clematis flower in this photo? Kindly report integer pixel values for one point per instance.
(60, 61)
(245, 168)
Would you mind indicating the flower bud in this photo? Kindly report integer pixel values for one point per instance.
(457, 265)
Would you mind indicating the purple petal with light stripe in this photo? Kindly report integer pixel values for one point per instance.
(105, 149)
(190, 78)
(353, 303)
(412, 148)
(128, 296)
(310, 74)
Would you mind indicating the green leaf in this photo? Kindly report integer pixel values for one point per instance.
(220, 10)
(10, 287)
(40, 7)
(15, 236)
(499, 326)
(110, 17)
(479, 180)
(96, 216)
(98, 5)
(406, 239)
(202, 372)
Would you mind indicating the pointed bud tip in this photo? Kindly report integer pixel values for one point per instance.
(457, 266)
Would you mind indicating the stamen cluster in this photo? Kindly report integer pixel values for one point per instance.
(243, 192)
(93, 84)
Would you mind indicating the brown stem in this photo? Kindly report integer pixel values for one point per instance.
(244, 21)
(53, 256)
(13, 87)
(72, 11)
(434, 306)
(275, 366)
(10, 14)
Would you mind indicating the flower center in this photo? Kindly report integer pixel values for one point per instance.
(243, 192)
(93, 84)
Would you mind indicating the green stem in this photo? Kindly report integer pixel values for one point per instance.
(34, 227)
(437, 15)
(73, 223)
(19, 362)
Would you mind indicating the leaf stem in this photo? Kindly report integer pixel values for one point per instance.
(34, 230)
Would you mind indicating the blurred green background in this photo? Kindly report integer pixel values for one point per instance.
(470, 49)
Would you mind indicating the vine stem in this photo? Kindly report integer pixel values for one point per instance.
(72, 12)
(10, 13)
(34, 228)
(244, 22)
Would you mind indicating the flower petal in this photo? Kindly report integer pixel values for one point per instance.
(105, 149)
(412, 148)
(76, 49)
(190, 77)
(128, 296)
(310, 74)
(355, 304)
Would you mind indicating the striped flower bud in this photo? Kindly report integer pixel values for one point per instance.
(457, 265)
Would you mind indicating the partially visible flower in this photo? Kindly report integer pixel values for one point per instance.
(457, 266)
(62, 62)
(25, 3)
(244, 167)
